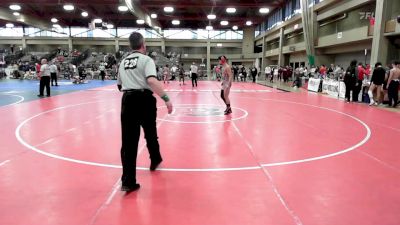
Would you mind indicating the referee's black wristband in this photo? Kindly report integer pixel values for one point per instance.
(119, 87)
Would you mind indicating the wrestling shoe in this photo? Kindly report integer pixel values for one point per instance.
(228, 111)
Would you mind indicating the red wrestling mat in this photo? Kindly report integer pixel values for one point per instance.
(279, 158)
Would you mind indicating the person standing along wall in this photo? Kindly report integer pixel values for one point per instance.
(393, 84)
(358, 85)
(350, 79)
(254, 73)
(377, 79)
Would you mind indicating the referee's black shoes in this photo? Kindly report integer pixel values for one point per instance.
(154, 165)
(130, 188)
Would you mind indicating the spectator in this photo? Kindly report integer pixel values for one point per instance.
(254, 73)
(360, 77)
(377, 79)
(350, 78)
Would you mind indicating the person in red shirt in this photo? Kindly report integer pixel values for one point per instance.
(37, 67)
(360, 78)
(322, 70)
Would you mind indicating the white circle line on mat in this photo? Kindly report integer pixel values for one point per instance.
(21, 99)
(33, 148)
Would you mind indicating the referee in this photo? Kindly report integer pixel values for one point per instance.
(138, 80)
(44, 76)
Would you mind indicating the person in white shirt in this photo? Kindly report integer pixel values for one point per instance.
(174, 70)
(194, 70)
(267, 72)
(74, 69)
(301, 71)
(102, 69)
(338, 72)
(44, 76)
(53, 74)
(137, 79)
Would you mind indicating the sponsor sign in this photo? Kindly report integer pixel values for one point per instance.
(313, 84)
(334, 88)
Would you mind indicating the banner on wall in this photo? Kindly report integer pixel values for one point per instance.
(313, 84)
(311, 60)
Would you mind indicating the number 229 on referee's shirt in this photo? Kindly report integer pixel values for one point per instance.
(131, 63)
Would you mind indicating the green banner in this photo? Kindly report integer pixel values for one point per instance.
(311, 60)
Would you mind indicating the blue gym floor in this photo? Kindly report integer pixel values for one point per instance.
(17, 91)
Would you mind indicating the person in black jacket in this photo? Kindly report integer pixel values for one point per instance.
(254, 73)
(350, 79)
(377, 79)
(244, 73)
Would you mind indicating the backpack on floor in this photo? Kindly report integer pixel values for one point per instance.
(365, 98)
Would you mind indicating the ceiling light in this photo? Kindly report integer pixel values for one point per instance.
(54, 20)
(231, 10)
(140, 21)
(235, 27)
(21, 20)
(176, 22)
(16, 14)
(85, 14)
(97, 20)
(249, 23)
(9, 25)
(219, 45)
(211, 17)
(153, 15)
(69, 7)
(224, 22)
(15, 7)
(264, 10)
(110, 26)
(296, 26)
(209, 28)
(56, 26)
(168, 9)
(123, 8)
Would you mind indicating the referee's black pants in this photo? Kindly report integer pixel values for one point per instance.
(138, 109)
(53, 78)
(44, 82)
(194, 79)
(103, 75)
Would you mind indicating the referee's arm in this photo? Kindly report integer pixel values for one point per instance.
(157, 88)
(119, 82)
